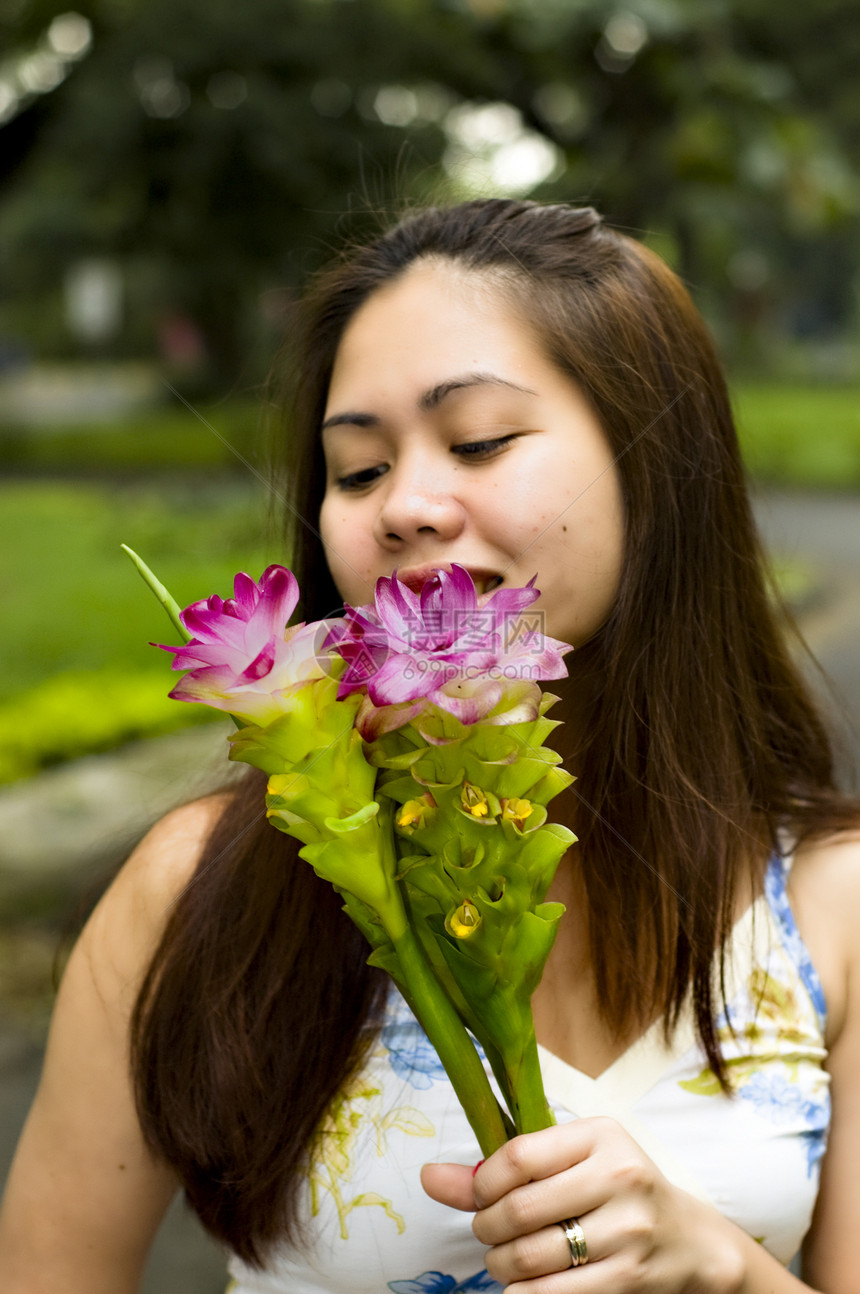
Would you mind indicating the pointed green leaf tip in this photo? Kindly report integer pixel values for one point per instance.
(170, 606)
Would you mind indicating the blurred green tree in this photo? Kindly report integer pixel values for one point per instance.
(219, 151)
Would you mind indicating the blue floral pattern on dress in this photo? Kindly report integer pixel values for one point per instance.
(783, 1102)
(436, 1283)
(775, 886)
(774, 1056)
(410, 1053)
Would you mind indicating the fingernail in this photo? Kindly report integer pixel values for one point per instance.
(477, 1166)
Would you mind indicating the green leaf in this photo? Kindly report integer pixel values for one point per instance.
(157, 588)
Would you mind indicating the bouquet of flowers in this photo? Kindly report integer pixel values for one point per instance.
(403, 745)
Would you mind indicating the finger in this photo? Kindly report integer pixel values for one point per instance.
(538, 1155)
(450, 1184)
(598, 1279)
(528, 1209)
(542, 1253)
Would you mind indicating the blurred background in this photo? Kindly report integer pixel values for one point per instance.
(170, 173)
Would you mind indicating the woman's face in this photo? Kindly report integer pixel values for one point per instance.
(450, 437)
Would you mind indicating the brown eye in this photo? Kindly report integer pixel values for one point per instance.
(473, 449)
(356, 480)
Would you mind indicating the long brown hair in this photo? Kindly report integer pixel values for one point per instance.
(695, 738)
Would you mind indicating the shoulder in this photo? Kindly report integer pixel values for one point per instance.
(825, 894)
(126, 926)
(168, 854)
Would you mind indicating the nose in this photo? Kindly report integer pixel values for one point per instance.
(417, 502)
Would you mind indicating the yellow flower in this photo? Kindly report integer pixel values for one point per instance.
(414, 813)
(474, 801)
(464, 920)
(517, 811)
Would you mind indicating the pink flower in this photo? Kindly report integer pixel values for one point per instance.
(242, 657)
(440, 647)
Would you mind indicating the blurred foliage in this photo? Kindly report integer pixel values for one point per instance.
(221, 437)
(78, 713)
(801, 435)
(220, 151)
(80, 673)
(798, 582)
(72, 601)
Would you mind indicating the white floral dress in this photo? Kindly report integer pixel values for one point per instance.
(755, 1156)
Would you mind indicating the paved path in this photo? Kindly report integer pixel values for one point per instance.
(824, 531)
(54, 830)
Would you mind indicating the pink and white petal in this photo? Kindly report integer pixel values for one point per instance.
(332, 631)
(374, 721)
(400, 678)
(260, 667)
(276, 604)
(363, 660)
(520, 703)
(234, 609)
(398, 609)
(472, 661)
(540, 659)
(461, 592)
(246, 592)
(506, 602)
(280, 592)
(210, 686)
(214, 603)
(361, 620)
(301, 657)
(478, 633)
(468, 700)
(196, 654)
(213, 626)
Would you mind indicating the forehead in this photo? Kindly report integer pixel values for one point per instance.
(434, 321)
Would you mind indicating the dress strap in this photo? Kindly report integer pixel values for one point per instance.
(776, 892)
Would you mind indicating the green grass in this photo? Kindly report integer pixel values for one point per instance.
(168, 437)
(800, 435)
(71, 600)
(78, 672)
(73, 713)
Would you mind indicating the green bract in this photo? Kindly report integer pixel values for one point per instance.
(321, 791)
(475, 879)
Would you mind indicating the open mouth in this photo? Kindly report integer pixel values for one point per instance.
(416, 579)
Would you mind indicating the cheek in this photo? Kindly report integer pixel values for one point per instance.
(345, 552)
(331, 523)
(328, 522)
(584, 549)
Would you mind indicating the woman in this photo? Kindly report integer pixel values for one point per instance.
(517, 389)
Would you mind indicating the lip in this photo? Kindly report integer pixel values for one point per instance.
(415, 577)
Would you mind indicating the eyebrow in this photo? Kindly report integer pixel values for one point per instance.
(430, 399)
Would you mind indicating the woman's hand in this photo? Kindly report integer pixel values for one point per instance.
(641, 1232)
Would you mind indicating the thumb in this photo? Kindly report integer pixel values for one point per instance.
(450, 1184)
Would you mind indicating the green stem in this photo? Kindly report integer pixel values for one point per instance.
(452, 1043)
(525, 1081)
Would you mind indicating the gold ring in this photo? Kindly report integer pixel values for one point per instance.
(575, 1237)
